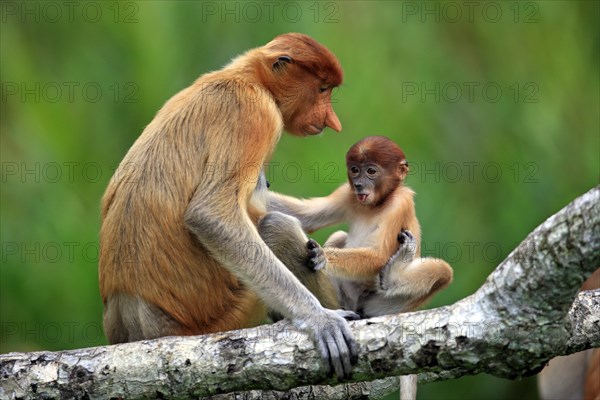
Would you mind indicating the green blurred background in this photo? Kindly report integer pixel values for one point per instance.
(495, 104)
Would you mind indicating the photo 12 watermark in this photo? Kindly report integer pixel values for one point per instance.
(470, 92)
(451, 12)
(292, 172)
(53, 252)
(69, 92)
(53, 172)
(474, 172)
(326, 12)
(92, 12)
(51, 332)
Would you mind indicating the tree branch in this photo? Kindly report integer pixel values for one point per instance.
(509, 328)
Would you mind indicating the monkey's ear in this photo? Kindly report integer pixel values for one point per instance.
(279, 64)
(403, 167)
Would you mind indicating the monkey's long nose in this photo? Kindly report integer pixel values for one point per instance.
(332, 120)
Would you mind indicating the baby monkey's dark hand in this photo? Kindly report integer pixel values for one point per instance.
(316, 256)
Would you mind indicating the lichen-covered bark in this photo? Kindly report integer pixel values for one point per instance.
(348, 391)
(510, 327)
(584, 332)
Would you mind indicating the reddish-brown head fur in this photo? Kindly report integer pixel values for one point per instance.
(301, 74)
(376, 149)
(385, 159)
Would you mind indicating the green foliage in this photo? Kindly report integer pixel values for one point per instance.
(78, 88)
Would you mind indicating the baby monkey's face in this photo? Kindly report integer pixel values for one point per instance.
(376, 168)
(365, 179)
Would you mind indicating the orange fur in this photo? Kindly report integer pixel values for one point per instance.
(375, 224)
(367, 274)
(365, 262)
(204, 151)
(361, 264)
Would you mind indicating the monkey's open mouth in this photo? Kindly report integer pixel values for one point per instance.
(362, 197)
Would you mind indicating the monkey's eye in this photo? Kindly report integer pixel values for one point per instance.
(371, 171)
(354, 170)
(323, 89)
(280, 63)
